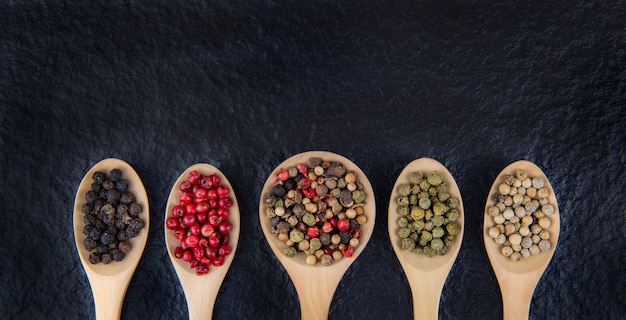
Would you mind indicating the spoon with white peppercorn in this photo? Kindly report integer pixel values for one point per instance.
(316, 281)
(520, 230)
(110, 281)
(426, 275)
(201, 290)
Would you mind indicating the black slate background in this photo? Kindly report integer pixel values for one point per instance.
(243, 85)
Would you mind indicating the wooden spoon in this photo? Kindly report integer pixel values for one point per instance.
(201, 291)
(518, 279)
(426, 275)
(110, 281)
(316, 284)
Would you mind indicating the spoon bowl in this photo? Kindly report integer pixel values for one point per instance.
(316, 285)
(201, 291)
(518, 279)
(110, 281)
(426, 275)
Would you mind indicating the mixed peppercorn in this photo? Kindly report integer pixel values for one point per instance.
(111, 218)
(317, 208)
(428, 214)
(200, 222)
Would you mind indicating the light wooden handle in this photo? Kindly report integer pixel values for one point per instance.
(516, 302)
(201, 309)
(315, 292)
(426, 290)
(108, 298)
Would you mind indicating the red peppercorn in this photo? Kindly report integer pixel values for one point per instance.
(211, 194)
(187, 255)
(313, 232)
(225, 202)
(223, 212)
(192, 241)
(206, 182)
(194, 229)
(224, 250)
(218, 261)
(193, 177)
(327, 227)
(207, 229)
(202, 206)
(185, 186)
(347, 251)
(302, 168)
(210, 252)
(356, 233)
(222, 191)
(178, 252)
(216, 179)
(188, 220)
(343, 225)
(308, 192)
(215, 240)
(172, 223)
(180, 234)
(225, 227)
(190, 208)
(185, 198)
(200, 194)
(203, 242)
(283, 174)
(214, 219)
(198, 252)
(178, 211)
(202, 269)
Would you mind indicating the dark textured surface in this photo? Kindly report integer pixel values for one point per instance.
(243, 85)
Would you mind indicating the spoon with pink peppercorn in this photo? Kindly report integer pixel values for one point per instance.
(110, 281)
(201, 283)
(316, 277)
(426, 275)
(518, 279)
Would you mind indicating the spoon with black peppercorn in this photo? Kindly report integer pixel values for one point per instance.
(518, 279)
(316, 284)
(201, 290)
(110, 281)
(426, 275)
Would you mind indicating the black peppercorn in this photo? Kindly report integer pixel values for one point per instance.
(102, 249)
(107, 238)
(345, 237)
(116, 255)
(94, 258)
(119, 223)
(124, 246)
(325, 238)
(108, 184)
(127, 198)
(121, 209)
(278, 190)
(90, 244)
(115, 175)
(134, 209)
(136, 223)
(131, 233)
(86, 208)
(106, 258)
(289, 184)
(90, 196)
(121, 236)
(98, 177)
(96, 187)
(122, 185)
(113, 196)
(95, 233)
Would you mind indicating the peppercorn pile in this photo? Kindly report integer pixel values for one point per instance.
(521, 214)
(111, 218)
(428, 215)
(200, 222)
(317, 209)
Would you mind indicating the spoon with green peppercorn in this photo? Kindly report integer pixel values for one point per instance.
(201, 290)
(518, 279)
(110, 281)
(316, 282)
(426, 275)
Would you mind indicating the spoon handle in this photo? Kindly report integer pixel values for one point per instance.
(315, 292)
(517, 293)
(108, 298)
(426, 289)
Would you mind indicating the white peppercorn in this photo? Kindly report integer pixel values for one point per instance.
(527, 220)
(544, 245)
(515, 239)
(531, 192)
(521, 174)
(524, 231)
(516, 256)
(520, 212)
(493, 232)
(527, 242)
(500, 239)
(547, 209)
(538, 182)
(493, 211)
(543, 192)
(535, 229)
(525, 253)
(534, 249)
(517, 183)
(535, 238)
(507, 251)
(508, 213)
(504, 188)
(509, 229)
(544, 235)
(499, 219)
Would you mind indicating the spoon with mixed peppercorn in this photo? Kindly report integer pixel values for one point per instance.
(110, 273)
(426, 223)
(201, 234)
(520, 230)
(317, 212)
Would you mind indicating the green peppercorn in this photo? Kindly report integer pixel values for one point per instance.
(403, 222)
(404, 232)
(358, 196)
(435, 178)
(296, 235)
(315, 244)
(408, 244)
(403, 210)
(404, 189)
(309, 219)
(291, 252)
